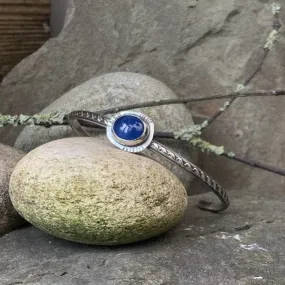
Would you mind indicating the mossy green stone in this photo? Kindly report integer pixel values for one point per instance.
(86, 190)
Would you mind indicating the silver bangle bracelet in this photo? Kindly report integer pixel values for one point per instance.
(133, 132)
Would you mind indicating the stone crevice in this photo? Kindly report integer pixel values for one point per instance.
(231, 15)
(212, 32)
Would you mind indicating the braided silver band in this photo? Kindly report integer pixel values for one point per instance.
(76, 117)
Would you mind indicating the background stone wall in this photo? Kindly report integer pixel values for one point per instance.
(197, 48)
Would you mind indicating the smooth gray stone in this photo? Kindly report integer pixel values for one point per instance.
(9, 218)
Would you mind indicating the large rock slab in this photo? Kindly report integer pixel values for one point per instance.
(199, 48)
(195, 47)
(254, 127)
(9, 218)
(113, 90)
(243, 246)
(85, 190)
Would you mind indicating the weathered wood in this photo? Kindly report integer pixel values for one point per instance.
(25, 2)
(9, 40)
(11, 17)
(11, 60)
(12, 53)
(21, 22)
(23, 26)
(6, 68)
(23, 31)
(18, 47)
(24, 10)
(23, 36)
(23, 43)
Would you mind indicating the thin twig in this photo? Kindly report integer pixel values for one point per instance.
(258, 93)
(219, 112)
(229, 155)
(57, 119)
(267, 47)
(255, 164)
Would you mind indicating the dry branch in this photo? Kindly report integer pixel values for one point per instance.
(259, 93)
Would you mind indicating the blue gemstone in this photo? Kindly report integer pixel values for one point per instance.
(128, 127)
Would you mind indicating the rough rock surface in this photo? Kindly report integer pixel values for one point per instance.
(86, 190)
(9, 219)
(243, 246)
(195, 47)
(209, 48)
(112, 90)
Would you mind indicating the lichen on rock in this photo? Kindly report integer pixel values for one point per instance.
(206, 146)
(86, 190)
(37, 119)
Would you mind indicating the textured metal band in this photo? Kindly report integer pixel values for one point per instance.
(167, 153)
(85, 116)
(199, 173)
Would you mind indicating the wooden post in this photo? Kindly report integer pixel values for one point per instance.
(23, 29)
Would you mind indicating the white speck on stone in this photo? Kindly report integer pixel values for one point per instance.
(237, 237)
(226, 105)
(253, 246)
(258, 278)
(275, 8)
(239, 87)
(188, 229)
(231, 154)
(223, 236)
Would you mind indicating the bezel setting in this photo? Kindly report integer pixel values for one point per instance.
(135, 145)
(129, 136)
